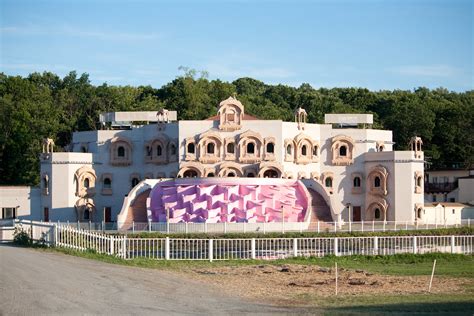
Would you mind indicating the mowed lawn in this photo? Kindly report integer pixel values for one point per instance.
(447, 266)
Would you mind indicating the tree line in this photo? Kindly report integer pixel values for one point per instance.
(45, 105)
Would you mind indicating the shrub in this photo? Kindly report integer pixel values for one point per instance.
(22, 236)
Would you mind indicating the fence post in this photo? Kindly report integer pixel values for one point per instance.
(186, 227)
(350, 226)
(301, 227)
(205, 227)
(225, 227)
(415, 248)
(384, 225)
(318, 226)
(406, 225)
(373, 225)
(335, 227)
(264, 230)
(469, 222)
(395, 226)
(55, 235)
(252, 247)
(245, 228)
(167, 248)
(78, 226)
(336, 253)
(295, 247)
(376, 245)
(90, 226)
(124, 247)
(210, 249)
(133, 227)
(167, 226)
(149, 226)
(362, 226)
(453, 243)
(111, 250)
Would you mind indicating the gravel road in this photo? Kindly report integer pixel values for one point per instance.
(33, 282)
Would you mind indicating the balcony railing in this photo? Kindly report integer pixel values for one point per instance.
(440, 187)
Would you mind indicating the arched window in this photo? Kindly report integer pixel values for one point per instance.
(288, 150)
(357, 182)
(270, 148)
(190, 174)
(210, 148)
(86, 183)
(121, 151)
(315, 150)
(45, 182)
(377, 213)
(231, 174)
(159, 150)
(418, 215)
(377, 182)
(83, 149)
(148, 151)
(328, 182)
(380, 148)
(418, 181)
(135, 181)
(250, 148)
(230, 148)
(191, 148)
(303, 150)
(250, 175)
(107, 183)
(87, 214)
(343, 151)
(172, 150)
(270, 174)
(210, 174)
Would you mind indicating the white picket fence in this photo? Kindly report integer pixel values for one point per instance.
(223, 228)
(242, 248)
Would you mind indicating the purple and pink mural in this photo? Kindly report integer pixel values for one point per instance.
(231, 200)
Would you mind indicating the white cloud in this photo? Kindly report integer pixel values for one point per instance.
(426, 71)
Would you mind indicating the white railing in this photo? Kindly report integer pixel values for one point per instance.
(242, 248)
(223, 228)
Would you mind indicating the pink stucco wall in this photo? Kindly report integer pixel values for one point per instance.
(218, 200)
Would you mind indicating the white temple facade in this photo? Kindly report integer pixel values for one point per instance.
(350, 165)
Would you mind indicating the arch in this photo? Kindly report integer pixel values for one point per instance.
(231, 114)
(288, 149)
(303, 150)
(190, 173)
(328, 182)
(85, 179)
(229, 167)
(107, 183)
(191, 149)
(356, 182)
(250, 145)
(210, 148)
(251, 148)
(381, 205)
(120, 151)
(210, 153)
(377, 180)
(191, 165)
(275, 170)
(270, 148)
(315, 150)
(134, 179)
(231, 148)
(159, 150)
(342, 150)
(85, 209)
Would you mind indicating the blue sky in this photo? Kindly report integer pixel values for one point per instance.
(372, 44)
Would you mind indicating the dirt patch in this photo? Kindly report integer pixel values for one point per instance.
(284, 284)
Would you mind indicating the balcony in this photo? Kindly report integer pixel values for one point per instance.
(440, 187)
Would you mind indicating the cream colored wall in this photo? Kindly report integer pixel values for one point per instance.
(25, 199)
(440, 214)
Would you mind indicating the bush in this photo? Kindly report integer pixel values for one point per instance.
(22, 236)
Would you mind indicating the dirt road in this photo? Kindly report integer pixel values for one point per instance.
(34, 282)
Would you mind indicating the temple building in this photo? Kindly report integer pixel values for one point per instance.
(349, 170)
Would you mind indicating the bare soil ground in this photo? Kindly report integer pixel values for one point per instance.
(290, 284)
